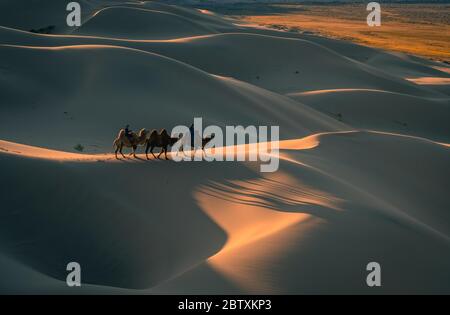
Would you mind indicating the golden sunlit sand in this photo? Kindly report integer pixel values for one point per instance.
(422, 30)
(430, 80)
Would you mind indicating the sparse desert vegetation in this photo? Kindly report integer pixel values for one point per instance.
(44, 30)
(79, 147)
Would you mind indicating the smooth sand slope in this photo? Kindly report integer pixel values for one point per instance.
(362, 174)
(100, 103)
(134, 23)
(384, 111)
(319, 206)
(298, 64)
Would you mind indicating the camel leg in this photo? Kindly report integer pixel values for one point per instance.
(146, 151)
(162, 149)
(120, 150)
(115, 153)
(131, 146)
(151, 151)
(165, 153)
(134, 151)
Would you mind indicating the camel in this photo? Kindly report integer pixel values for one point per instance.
(205, 141)
(162, 140)
(136, 140)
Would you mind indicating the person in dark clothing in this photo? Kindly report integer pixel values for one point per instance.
(128, 132)
(191, 130)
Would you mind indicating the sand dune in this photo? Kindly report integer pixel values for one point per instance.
(363, 153)
(384, 111)
(311, 199)
(362, 210)
(299, 64)
(140, 24)
(96, 68)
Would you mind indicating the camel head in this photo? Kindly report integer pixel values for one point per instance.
(206, 140)
(175, 140)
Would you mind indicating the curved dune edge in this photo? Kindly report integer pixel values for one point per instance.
(350, 90)
(147, 18)
(250, 221)
(309, 142)
(408, 136)
(443, 69)
(35, 152)
(182, 39)
(430, 81)
(318, 92)
(280, 186)
(207, 12)
(255, 222)
(29, 151)
(118, 39)
(251, 215)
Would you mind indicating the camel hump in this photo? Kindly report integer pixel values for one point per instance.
(164, 134)
(143, 131)
(153, 135)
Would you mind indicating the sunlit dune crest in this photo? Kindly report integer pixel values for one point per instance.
(318, 92)
(306, 143)
(72, 47)
(117, 39)
(254, 210)
(204, 11)
(443, 69)
(309, 142)
(252, 25)
(42, 153)
(430, 80)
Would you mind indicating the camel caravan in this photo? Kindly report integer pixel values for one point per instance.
(151, 140)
